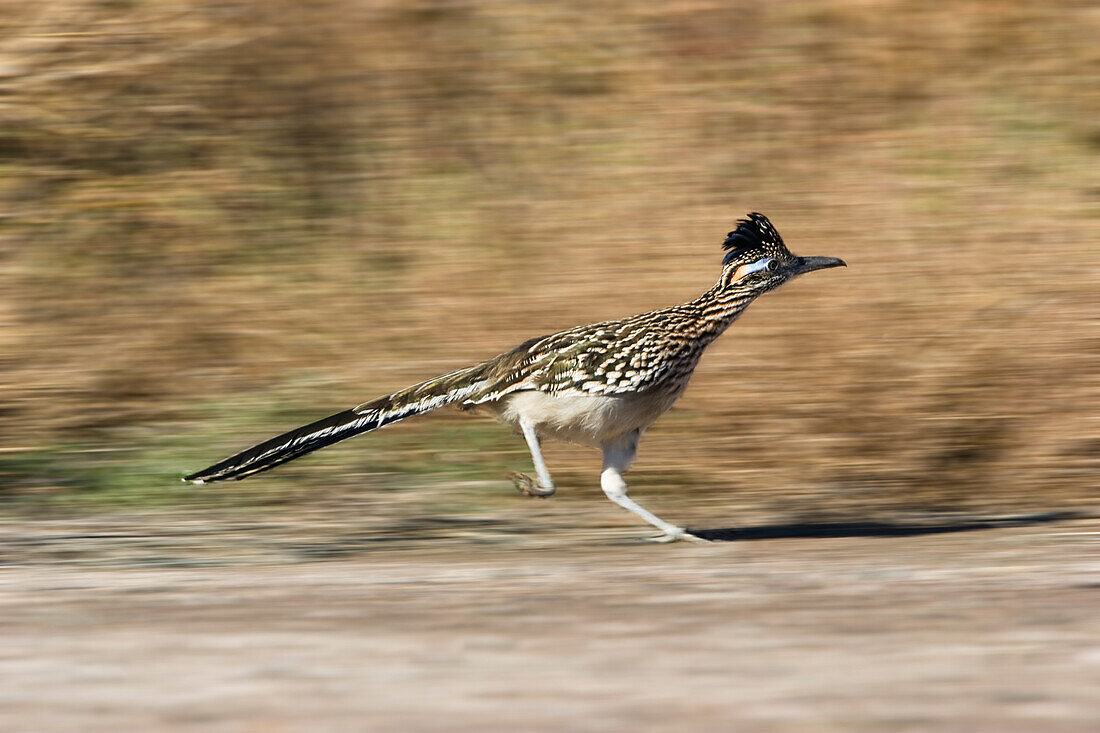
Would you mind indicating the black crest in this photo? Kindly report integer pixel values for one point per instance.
(753, 234)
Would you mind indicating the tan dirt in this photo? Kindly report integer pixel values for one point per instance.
(144, 624)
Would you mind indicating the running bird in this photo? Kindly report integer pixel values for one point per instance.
(599, 385)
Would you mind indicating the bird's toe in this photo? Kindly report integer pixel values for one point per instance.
(528, 487)
(677, 535)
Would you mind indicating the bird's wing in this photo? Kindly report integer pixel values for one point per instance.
(609, 358)
(615, 358)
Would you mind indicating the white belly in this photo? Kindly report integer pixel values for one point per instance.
(593, 420)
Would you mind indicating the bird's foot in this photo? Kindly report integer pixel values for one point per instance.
(527, 486)
(677, 535)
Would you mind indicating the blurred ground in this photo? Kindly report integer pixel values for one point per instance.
(212, 624)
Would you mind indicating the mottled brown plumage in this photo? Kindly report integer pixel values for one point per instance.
(599, 385)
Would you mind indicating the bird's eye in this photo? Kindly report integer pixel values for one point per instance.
(773, 265)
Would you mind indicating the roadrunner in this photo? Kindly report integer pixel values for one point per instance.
(599, 385)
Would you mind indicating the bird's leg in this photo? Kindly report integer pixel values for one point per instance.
(617, 458)
(525, 483)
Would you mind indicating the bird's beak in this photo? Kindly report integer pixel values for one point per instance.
(809, 264)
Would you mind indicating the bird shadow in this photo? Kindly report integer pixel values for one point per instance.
(807, 530)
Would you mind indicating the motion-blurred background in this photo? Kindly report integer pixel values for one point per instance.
(221, 219)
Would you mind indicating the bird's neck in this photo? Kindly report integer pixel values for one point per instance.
(717, 308)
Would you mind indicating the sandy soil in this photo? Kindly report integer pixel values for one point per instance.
(169, 625)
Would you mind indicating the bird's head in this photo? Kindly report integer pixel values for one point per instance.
(757, 260)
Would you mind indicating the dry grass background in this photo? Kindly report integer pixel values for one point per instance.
(220, 219)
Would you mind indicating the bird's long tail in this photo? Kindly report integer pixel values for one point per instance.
(419, 398)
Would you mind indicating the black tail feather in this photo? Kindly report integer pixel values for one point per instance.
(287, 446)
(417, 399)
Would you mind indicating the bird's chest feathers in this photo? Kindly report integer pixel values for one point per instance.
(583, 418)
